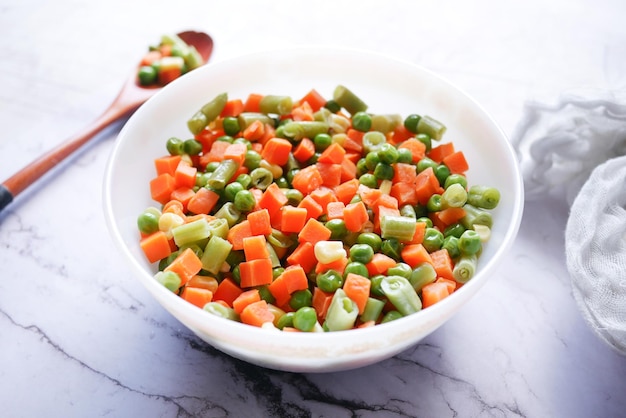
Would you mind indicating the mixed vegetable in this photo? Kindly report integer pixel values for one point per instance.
(315, 214)
(165, 62)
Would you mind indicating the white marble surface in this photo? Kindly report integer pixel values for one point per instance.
(80, 338)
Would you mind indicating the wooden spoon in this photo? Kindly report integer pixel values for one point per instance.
(127, 101)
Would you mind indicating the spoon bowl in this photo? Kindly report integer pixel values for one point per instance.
(131, 96)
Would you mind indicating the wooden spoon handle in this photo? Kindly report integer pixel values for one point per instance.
(28, 175)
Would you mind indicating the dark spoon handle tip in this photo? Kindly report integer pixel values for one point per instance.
(5, 197)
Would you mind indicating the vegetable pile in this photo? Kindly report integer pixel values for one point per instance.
(313, 215)
(165, 62)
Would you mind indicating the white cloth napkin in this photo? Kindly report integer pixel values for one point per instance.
(576, 151)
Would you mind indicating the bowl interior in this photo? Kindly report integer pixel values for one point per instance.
(387, 86)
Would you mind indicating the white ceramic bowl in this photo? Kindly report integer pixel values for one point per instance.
(388, 86)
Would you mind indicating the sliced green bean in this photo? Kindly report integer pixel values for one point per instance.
(401, 294)
(246, 119)
(218, 309)
(297, 130)
(342, 312)
(455, 196)
(279, 105)
(348, 100)
(229, 213)
(400, 227)
(422, 274)
(483, 197)
(373, 309)
(476, 216)
(431, 127)
(215, 253)
(222, 174)
(465, 268)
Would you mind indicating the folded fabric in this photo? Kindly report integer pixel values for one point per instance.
(595, 243)
(559, 145)
(576, 151)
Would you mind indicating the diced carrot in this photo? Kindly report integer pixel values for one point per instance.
(161, 188)
(302, 112)
(404, 173)
(382, 211)
(404, 193)
(232, 108)
(400, 134)
(183, 195)
(215, 154)
(313, 232)
(165, 50)
(330, 173)
(197, 296)
(417, 148)
(293, 218)
(273, 199)
(312, 207)
(186, 265)
(387, 201)
(278, 289)
(176, 207)
(346, 191)
(254, 131)
(355, 215)
(260, 222)
(321, 302)
(236, 152)
(334, 210)
(304, 150)
(323, 196)
(246, 298)
(441, 151)
(227, 291)
(433, 293)
(203, 282)
(333, 154)
(155, 246)
(314, 99)
(367, 324)
(415, 254)
(254, 247)
(418, 235)
(353, 146)
(379, 264)
(269, 132)
(276, 151)
(203, 201)
(237, 233)
(303, 255)
(356, 137)
(447, 217)
(167, 164)
(450, 283)
(368, 195)
(456, 162)
(307, 179)
(426, 184)
(252, 103)
(168, 74)
(338, 265)
(256, 314)
(150, 57)
(442, 263)
(295, 279)
(357, 288)
(348, 169)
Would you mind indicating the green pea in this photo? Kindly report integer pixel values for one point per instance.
(410, 122)
(426, 220)
(163, 263)
(388, 153)
(391, 248)
(285, 320)
(455, 179)
(300, 299)
(294, 196)
(212, 166)
(329, 281)
(362, 253)
(282, 182)
(400, 269)
(433, 240)
(333, 106)
(368, 180)
(225, 138)
(405, 156)
(322, 141)
(371, 239)
(356, 267)
(147, 75)
(192, 147)
(231, 126)
(244, 141)
(244, 179)
(371, 160)
(277, 271)
(442, 172)
(424, 163)
(305, 319)
(426, 140)
(174, 146)
(148, 222)
(375, 285)
(384, 171)
(434, 203)
(236, 274)
(231, 190)
(337, 229)
(469, 242)
(244, 201)
(361, 121)
(408, 211)
(361, 167)
(252, 160)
